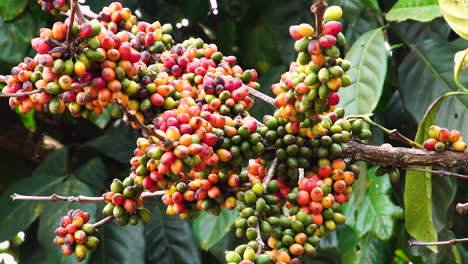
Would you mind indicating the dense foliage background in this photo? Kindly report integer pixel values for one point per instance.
(402, 55)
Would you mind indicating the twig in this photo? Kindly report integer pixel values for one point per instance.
(318, 9)
(104, 221)
(150, 132)
(81, 85)
(404, 157)
(22, 94)
(55, 198)
(74, 199)
(262, 96)
(79, 14)
(70, 22)
(440, 173)
(462, 208)
(393, 134)
(259, 240)
(270, 173)
(413, 243)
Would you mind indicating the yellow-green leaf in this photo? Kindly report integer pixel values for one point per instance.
(455, 13)
(419, 10)
(461, 61)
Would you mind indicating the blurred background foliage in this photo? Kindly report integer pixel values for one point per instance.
(403, 54)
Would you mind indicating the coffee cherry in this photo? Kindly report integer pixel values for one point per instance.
(333, 13)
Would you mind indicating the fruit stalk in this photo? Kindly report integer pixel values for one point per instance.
(259, 240)
(104, 221)
(149, 132)
(413, 243)
(462, 208)
(70, 23)
(319, 9)
(440, 173)
(271, 172)
(393, 134)
(262, 96)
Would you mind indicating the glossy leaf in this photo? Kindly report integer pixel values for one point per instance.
(15, 37)
(117, 143)
(456, 15)
(9, 9)
(103, 119)
(461, 59)
(375, 213)
(16, 216)
(94, 174)
(169, 239)
(359, 17)
(119, 245)
(50, 218)
(432, 62)
(368, 58)
(419, 10)
(374, 4)
(209, 229)
(418, 186)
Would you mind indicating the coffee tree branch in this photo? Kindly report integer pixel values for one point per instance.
(77, 199)
(462, 208)
(413, 243)
(403, 157)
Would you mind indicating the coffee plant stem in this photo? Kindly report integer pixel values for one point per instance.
(413, 243)
(271, 172)
(21, 94)
(259, 240)
(77, 199)
(440, 173)
(104, 221)
(70, 23)
(262, 96)
(149, 132)
(462, 208)
(393, 134)
(318, 9)
(403, 157)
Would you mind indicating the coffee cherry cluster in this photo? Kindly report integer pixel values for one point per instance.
(75, 235)
(125, 203)
(117, 18)
(441, 140)
(54, 6)
(310, 88)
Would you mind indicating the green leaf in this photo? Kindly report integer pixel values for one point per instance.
(15, 37)
(50, 218)
(456, 15)
(28, 119)
(169, 239)
(209, 229)
(375, 213)
(94, 174)
(119, 245)
(54, 165)
(10, 9)
(427, 73)
(16, 216)
(117, 143)
(373, 4)
(357, 18)
(461, 61)
(418, 186)
(103, 119)
(367, 249)
(368, 58)
(419, 10)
